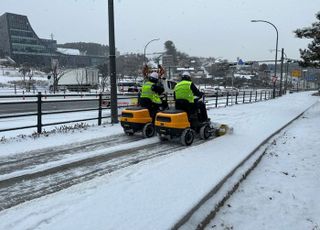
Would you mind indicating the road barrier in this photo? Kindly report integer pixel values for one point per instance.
(103, 103)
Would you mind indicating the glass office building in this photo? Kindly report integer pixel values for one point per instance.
(19, 41)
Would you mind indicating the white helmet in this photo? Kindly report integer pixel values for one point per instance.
(154, 75)
(186, 76)
(185, 73)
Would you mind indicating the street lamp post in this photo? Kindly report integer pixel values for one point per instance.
(276, 58)
(145, 48)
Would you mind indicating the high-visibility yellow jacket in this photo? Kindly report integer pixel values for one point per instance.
(183, 91)
(147, 92)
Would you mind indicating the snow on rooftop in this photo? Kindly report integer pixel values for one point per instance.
(69, 51)
(246, 76)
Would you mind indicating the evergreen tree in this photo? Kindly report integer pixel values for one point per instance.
(311, 56)
(171, 50)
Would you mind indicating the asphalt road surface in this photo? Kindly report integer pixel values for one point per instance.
(6, 109)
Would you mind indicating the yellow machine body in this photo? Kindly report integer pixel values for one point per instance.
(171, 123)
(178, 120)
(140, 116)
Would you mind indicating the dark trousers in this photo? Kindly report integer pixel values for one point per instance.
(198, 107)
(203, 111)
(152, 107)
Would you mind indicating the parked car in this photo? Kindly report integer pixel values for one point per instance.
(129, 87)
(212, 91)
(232, 90)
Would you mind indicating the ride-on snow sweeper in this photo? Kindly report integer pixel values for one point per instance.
(176, 124)
(137, 119)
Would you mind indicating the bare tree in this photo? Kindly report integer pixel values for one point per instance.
(24, 70)
(104, 70)
(29, 75)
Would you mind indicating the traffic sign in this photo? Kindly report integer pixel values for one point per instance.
(296, 73)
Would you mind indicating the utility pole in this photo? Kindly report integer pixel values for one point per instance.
(281, 71)
(112, 58)
(287, 75)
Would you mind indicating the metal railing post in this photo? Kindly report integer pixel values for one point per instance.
(244, 95)
(216, 100)
(236, 102)
(39, 115)
(256, 96)
(265, 95)
(100, 109)
(261, 95)
(227, 99)
(250, 97)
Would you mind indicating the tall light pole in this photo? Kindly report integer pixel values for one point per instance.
(276, 58)
(112, 58)
(145, 48)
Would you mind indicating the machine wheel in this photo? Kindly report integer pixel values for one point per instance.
(205, 132)
(148, 130)
(187, 137)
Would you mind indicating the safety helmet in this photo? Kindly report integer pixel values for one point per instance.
(186, 76)
(154, 76)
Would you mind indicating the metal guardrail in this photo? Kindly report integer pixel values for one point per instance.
(212, 101)
(39, 113)
(241, 97)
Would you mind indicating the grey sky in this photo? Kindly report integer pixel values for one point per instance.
(215, 28)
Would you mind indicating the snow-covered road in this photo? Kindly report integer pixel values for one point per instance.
(153, 194)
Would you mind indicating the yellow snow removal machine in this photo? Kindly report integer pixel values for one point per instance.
(174, 123)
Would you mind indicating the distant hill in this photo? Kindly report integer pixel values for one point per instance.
(87, 48)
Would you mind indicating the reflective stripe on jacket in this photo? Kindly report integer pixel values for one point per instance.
(183, 91)
(147, 92)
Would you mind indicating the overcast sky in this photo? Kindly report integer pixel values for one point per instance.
(207, 28)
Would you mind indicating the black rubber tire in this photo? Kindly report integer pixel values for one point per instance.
(187, 137)
(148, 130)
(205, 132)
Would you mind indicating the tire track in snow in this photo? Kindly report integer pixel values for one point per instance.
(16, 190)
(42, 156)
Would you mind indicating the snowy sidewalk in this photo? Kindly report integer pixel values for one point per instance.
(283, 191)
